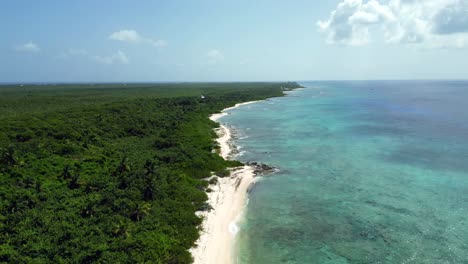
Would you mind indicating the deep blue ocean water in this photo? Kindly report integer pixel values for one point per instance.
(370, 172)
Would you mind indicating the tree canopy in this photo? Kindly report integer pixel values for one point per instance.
(109, 173)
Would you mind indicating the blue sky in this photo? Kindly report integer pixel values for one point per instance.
(241, 40)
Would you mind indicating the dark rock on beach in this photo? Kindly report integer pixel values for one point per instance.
(261, 168)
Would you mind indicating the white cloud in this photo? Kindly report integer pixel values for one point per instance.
(28, 47)
(132, 36)
(434, 23)
(214, 56)
(126, 36)
(118, 57)
(453, 18)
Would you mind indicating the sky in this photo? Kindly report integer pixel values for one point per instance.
(225, 40)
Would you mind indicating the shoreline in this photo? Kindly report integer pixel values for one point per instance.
(228, 199)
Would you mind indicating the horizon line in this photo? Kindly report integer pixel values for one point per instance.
(243, 81)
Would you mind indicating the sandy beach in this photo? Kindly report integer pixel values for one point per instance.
(228, 200)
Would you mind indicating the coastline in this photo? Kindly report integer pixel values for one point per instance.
(228, 199)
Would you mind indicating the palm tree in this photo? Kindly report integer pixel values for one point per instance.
(66, 173)
(149, 167)
(74, 182)
(148, 193)
(9, 157)
(149, 180)
(120, 229)
(72, 175)
(140, 211)
(123, 166)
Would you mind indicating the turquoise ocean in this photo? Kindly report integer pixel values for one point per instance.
(369, 172)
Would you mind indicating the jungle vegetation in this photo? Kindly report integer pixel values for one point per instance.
(109, 173)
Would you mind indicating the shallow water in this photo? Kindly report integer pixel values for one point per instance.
(370, 172)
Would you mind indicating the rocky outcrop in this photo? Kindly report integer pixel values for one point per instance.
(261, 168)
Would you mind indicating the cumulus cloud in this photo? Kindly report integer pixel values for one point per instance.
(118, 57)
(126, 36)
(132, 36)
(451, 19)
(439, 23)
(28, 47)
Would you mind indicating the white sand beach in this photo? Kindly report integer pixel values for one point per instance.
(228, 200)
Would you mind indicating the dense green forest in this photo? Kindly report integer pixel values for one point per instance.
(109, 173)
